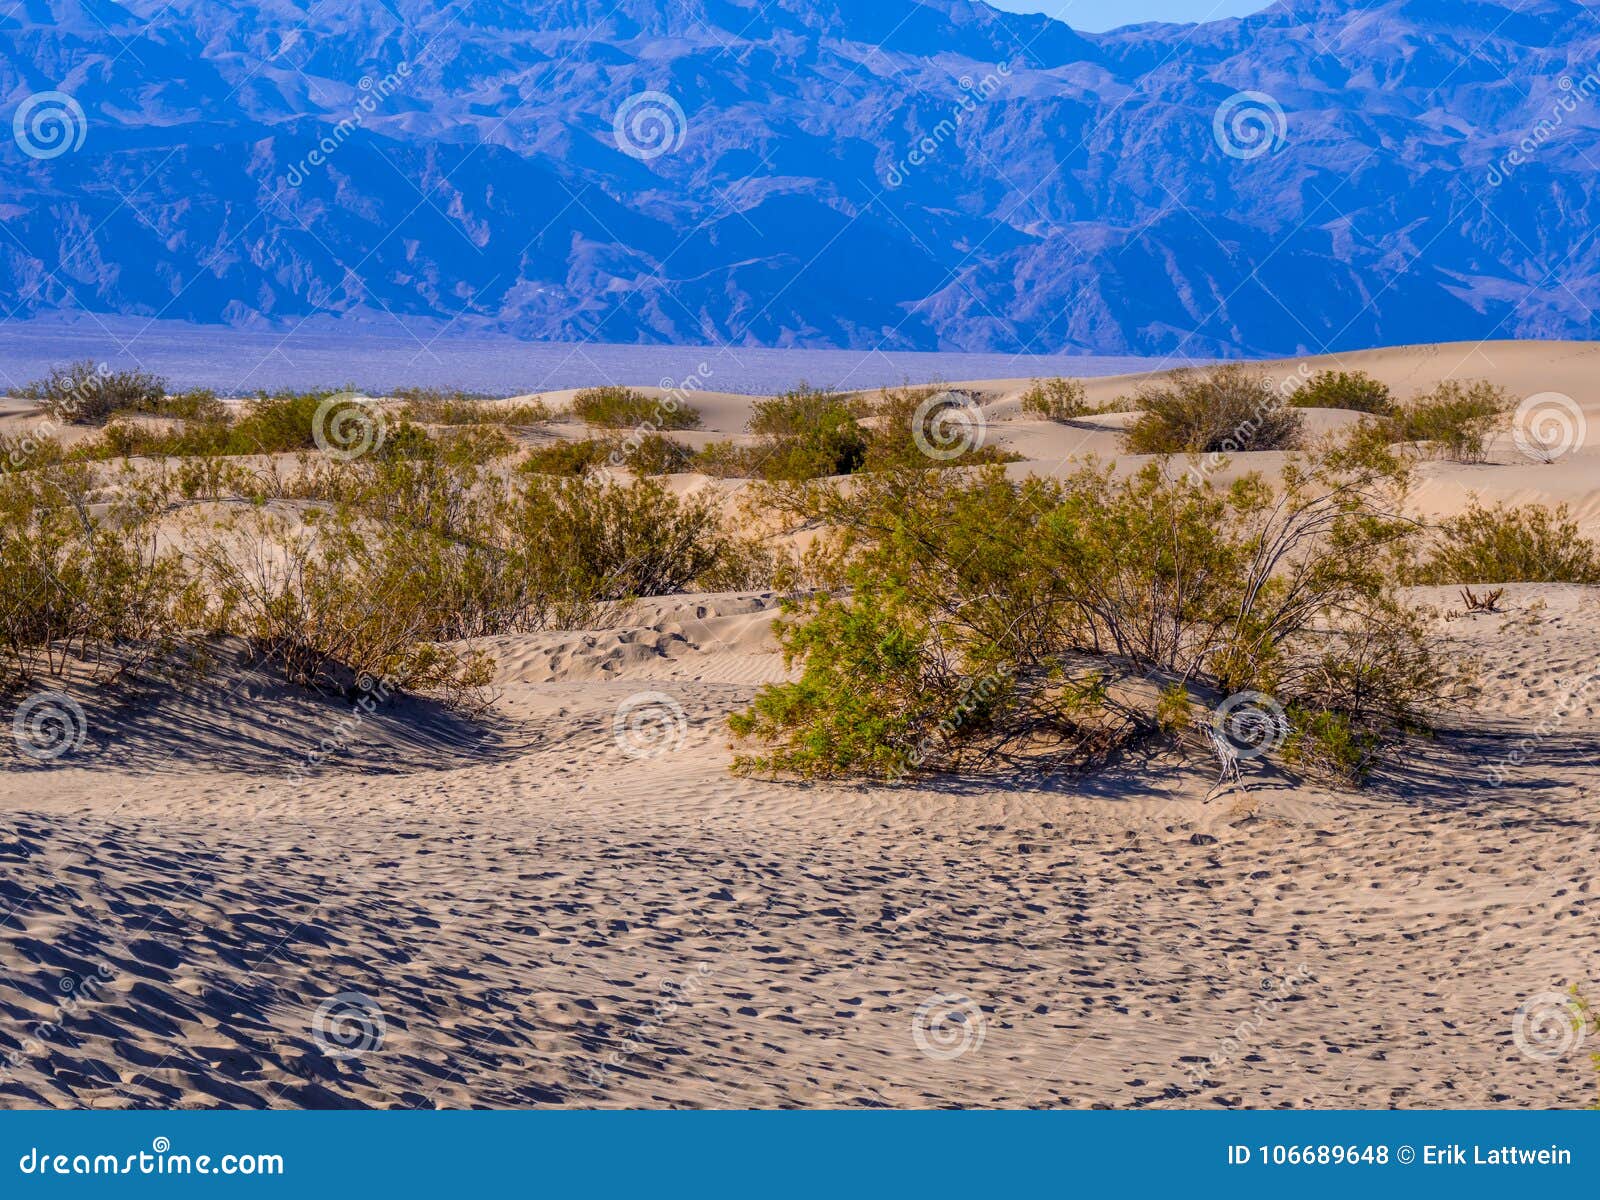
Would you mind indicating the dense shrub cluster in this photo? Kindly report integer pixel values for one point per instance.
(989, 619)
(624, 408)
(338, 570)
(1056, 399)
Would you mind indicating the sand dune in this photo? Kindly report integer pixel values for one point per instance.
(239, 896)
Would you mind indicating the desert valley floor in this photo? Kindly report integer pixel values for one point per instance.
(533, 916)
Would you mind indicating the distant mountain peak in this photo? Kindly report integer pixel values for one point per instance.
(940, 174)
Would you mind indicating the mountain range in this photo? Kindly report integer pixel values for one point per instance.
(908, 175)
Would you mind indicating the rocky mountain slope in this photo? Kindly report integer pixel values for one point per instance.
(860, 173)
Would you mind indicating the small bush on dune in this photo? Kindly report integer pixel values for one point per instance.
(806, 434)
(1531, 544)
(1056, 400)
(925, 428)
(654, 454)
(624, 408)
(563, 457)
(651, 454)
(340, 599)
(1455, 420)
(86, 393)
(617, 541)
(277, 422)
(438, 406)
(1354, 391)
(1218, 411)
(726, 460)
(25, 450)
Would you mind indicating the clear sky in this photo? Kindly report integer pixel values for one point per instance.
(1097, 15)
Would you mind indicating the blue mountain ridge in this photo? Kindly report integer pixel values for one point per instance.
(1072, 191)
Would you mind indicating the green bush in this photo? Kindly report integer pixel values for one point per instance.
(967, 621)
(1455, 420)
(727, 460)
(82, 581)
(806, 434)
(654, 454)
(86, 393)
(922, 428)
(563, 457)
(1530, 544)
(1056, 399)
(624, 408)
(1222, 410)
(1355, 391)
(440, 406)
(614, 541)
(1327, 745)
(197, 404)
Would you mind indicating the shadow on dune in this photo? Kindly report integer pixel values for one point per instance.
(243, 716)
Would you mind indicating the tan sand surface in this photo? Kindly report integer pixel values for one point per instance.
(549, 907)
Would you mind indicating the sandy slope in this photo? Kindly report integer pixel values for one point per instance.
(551, 909)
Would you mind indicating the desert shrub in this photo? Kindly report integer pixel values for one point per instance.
(1055, 399)
(624, 408)
(83, 582)
(563, 457)
(806, 434)
(1353, 390)
(438, 406)
(989, 620)
(614, 541)
(927, 427)
(1217, 411)
(86, 393)
(726, 460)
(37, 449)
(338, 599)
(1328, 745)
(1455, 420)
(1530, 544)
(197, 404)
(473, 444)
(276, 423)
(657, 455)
(649, 454)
